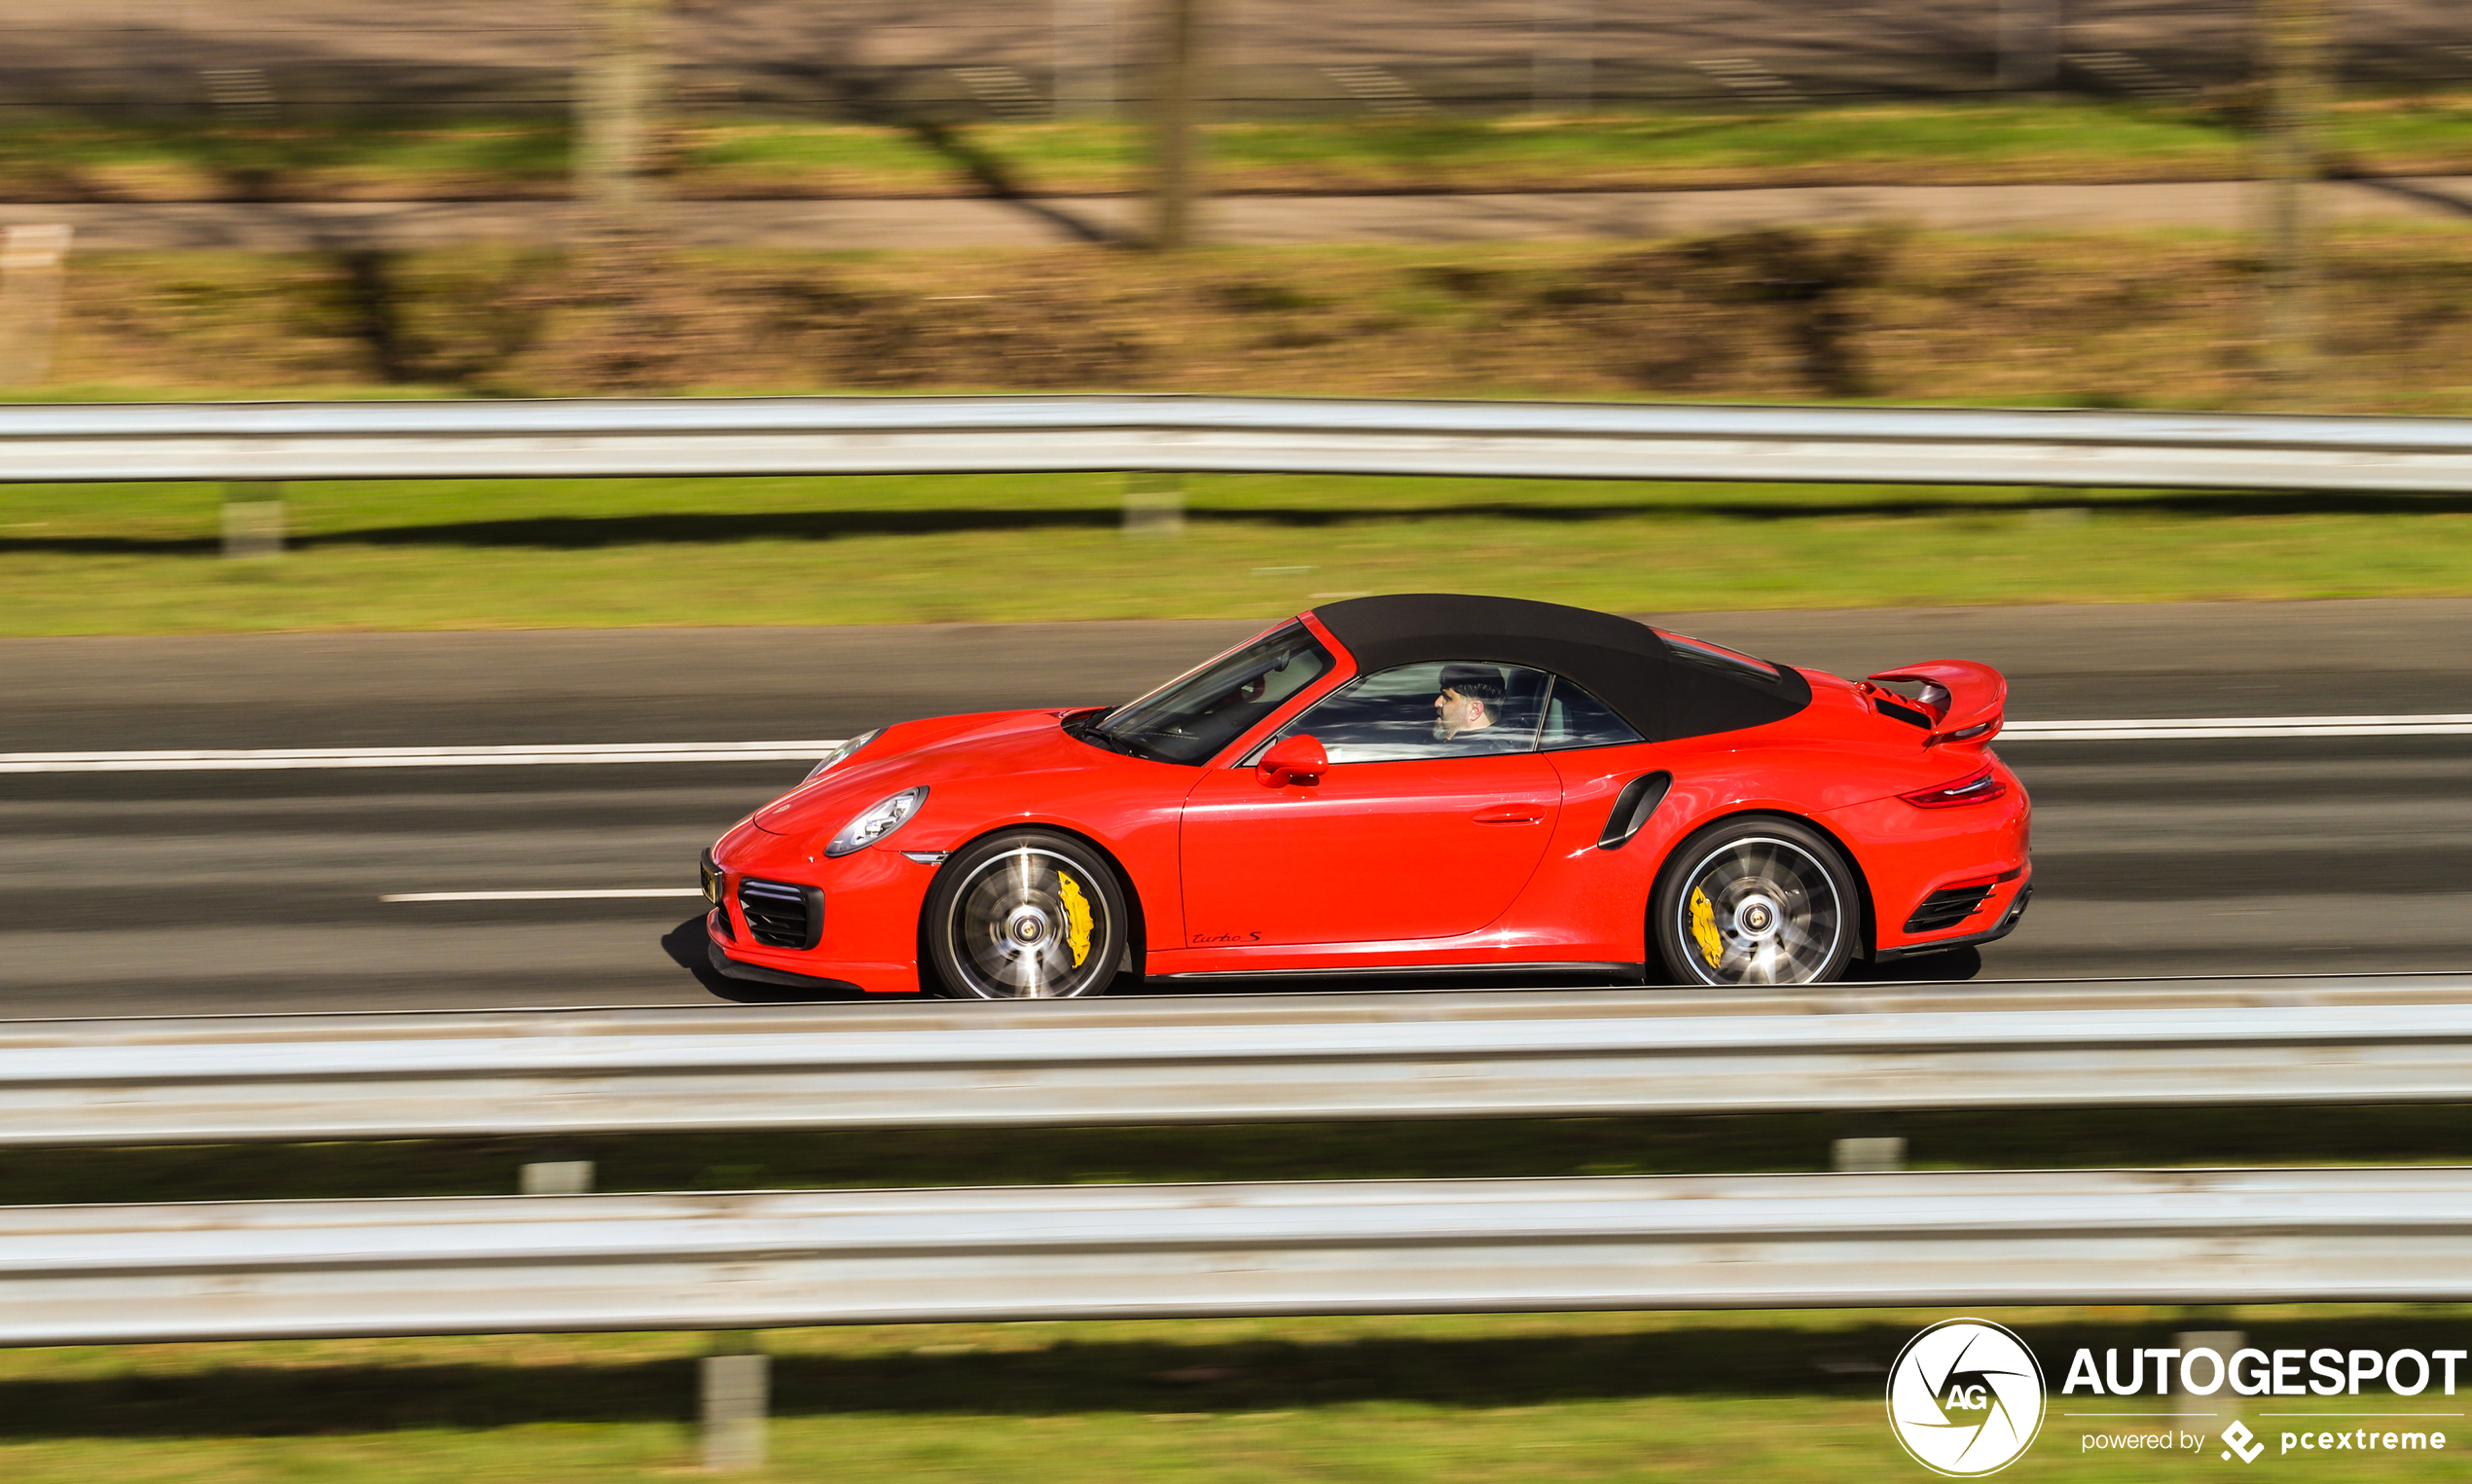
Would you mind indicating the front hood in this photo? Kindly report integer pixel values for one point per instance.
(912, 753)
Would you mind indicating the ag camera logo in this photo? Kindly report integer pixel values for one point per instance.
(1965, 1398)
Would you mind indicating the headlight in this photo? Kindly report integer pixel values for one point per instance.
(843, 752)
(878, 821)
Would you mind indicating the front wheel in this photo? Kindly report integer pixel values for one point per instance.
(1026, 915)
(1756, 901)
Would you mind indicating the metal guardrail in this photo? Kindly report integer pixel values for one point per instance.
(255, 1270)
(1236, 1060)
(404, 440)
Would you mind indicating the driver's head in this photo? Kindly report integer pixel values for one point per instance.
(1470, 700)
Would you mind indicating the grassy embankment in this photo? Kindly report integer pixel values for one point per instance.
(718, 157)
(1652, 1397)
(482, 555)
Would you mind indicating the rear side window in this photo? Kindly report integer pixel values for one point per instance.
(1574, 718)
(1716, 657)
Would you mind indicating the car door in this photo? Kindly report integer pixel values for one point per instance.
(1406, 835)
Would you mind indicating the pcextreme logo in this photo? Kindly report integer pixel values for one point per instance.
(1965, 1398)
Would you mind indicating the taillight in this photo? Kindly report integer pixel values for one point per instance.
(1975, 787)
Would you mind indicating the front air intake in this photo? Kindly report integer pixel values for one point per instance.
(781, 915)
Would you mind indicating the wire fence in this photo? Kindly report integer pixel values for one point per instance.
(1088, 58)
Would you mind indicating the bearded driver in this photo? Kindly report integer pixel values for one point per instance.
(1471, 701)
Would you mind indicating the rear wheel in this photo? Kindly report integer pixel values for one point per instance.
(1026, 915)
(1756, 901)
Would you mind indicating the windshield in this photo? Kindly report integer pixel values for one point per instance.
(1190, 719)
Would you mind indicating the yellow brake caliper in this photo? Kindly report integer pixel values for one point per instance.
(1078, 913)
(1703, 929)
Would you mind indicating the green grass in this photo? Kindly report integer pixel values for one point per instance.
(537, 554)
(1920, 142)
(1643, 1396)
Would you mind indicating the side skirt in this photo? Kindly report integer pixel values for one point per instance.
(1625, 973)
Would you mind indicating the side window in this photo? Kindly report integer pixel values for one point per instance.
(1437, 709)
(1574, 718)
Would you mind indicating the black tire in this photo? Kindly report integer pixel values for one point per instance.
(1756, 900)
(1026, 915)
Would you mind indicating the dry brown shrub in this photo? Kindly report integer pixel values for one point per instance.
(1767, 312)
(2107, 320)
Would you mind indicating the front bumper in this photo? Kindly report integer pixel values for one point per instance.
(723, 963)
(863, 914)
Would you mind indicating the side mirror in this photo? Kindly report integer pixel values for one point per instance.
(1297, 759)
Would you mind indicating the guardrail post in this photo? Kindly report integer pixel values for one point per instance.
(737, 1394)
(556, 1176)
(253, 519)
(2192, 1409)
(1866, 1156)
(1153, 505)
(31, 281)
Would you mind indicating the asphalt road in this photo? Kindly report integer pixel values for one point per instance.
(218, 892)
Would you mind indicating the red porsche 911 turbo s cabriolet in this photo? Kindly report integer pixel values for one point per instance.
(1405, 784)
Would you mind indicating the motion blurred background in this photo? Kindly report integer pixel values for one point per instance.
(2255, 206)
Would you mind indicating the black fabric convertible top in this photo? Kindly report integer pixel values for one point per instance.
(1623, 664)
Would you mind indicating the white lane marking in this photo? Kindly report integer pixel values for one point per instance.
(2198, 728)
(239, 759)
(538, 897)
(538, 754)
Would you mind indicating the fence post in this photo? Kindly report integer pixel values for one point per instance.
(1177, 104)
(32, 272)
(1562, 68)
(737, 1388)
(2029, 43)
(613, 97)
(1085, 59)
(2294, 42)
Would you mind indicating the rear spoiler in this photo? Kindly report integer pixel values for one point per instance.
(1963, 702)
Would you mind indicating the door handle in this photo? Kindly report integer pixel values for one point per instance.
(1510, 816)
